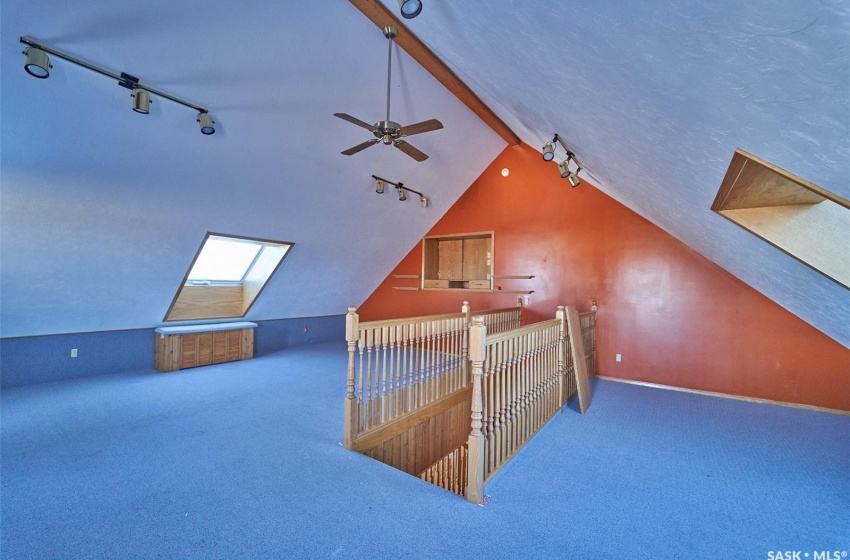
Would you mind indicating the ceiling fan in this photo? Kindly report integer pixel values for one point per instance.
(387, 131)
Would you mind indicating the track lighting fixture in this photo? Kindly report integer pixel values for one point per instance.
(141, 101)
(38, 64)
(410, 8)
(549, 151)
(563, 166)
(206, 122)
(573, 178)
(401, 189)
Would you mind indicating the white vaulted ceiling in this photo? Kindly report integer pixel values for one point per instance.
(654, 97)
(103, 209)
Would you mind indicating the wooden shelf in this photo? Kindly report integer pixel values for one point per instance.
(406, 289)
(412, 276)
(512, 277)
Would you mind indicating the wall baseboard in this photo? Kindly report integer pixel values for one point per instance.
(726, 395)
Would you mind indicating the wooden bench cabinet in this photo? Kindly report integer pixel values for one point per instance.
(200, 345)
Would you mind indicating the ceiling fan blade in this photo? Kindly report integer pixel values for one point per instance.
(360, 147)
(353, 120)
(410, 150)
(419, 128)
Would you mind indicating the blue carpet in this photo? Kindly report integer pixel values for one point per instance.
(243, 460)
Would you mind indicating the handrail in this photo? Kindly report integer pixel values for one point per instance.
(521, 331)
(408, 320)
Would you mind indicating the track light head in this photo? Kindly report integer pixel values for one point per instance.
(549, 152)
(38, 63)
(564, 168)
(410, 8)
(379, 187)
(424, 201)
(402, 194)
(141, 101)
(573, 178)
(206, 123)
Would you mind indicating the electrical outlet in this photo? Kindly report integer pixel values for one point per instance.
(73, 352)
(618, 358)
(526, 299)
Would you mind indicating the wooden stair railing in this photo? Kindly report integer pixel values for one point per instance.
(413, 383)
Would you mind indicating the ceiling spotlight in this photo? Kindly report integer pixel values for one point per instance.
(206, 123)
(548, 151)
(574, 180)
(38, 63)
(141, 101)
(564, 168)
(379, 188)
(410, 8)
(402, 194)
(424, 201)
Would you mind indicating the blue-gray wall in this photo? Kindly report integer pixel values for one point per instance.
(41, 359)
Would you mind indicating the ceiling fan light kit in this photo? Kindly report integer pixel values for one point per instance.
(563, 166)
(388, 131)
(38, 65)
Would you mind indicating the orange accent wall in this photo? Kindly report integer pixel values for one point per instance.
(676, 318)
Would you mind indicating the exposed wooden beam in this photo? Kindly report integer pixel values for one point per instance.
(381, 16)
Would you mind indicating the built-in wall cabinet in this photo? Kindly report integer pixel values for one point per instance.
(460, 262)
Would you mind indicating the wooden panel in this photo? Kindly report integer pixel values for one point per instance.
(247, 348)
(188, 350)
(167, 351)
(578, 358)
(205, 347)
(436, 284)
(475, 259)
(451, 259)
(479, 284)
(207, 302)
(375, 437)
(381, 16)
(219, 347)
(430, 259)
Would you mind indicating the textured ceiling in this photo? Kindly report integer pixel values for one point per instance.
(102, 209)
(655, 96)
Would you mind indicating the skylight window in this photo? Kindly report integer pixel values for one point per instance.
(224, 260)
(806, 221)
(226, 277)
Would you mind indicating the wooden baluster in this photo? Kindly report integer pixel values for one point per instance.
(361, 374)
(350, 424)
(475, 476)
(560, 314)
(465, 345)
(370, 398)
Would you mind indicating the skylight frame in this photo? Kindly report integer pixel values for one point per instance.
(768, 201)
(228, 300)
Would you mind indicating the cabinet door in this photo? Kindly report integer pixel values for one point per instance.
(476, 263)
(451, 259)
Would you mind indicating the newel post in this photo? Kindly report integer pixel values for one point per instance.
(464, 349)
(352, 321)
(561, 315)
(475, 480)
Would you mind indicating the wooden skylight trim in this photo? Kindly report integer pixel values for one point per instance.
(794, 215)
(227, 300)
